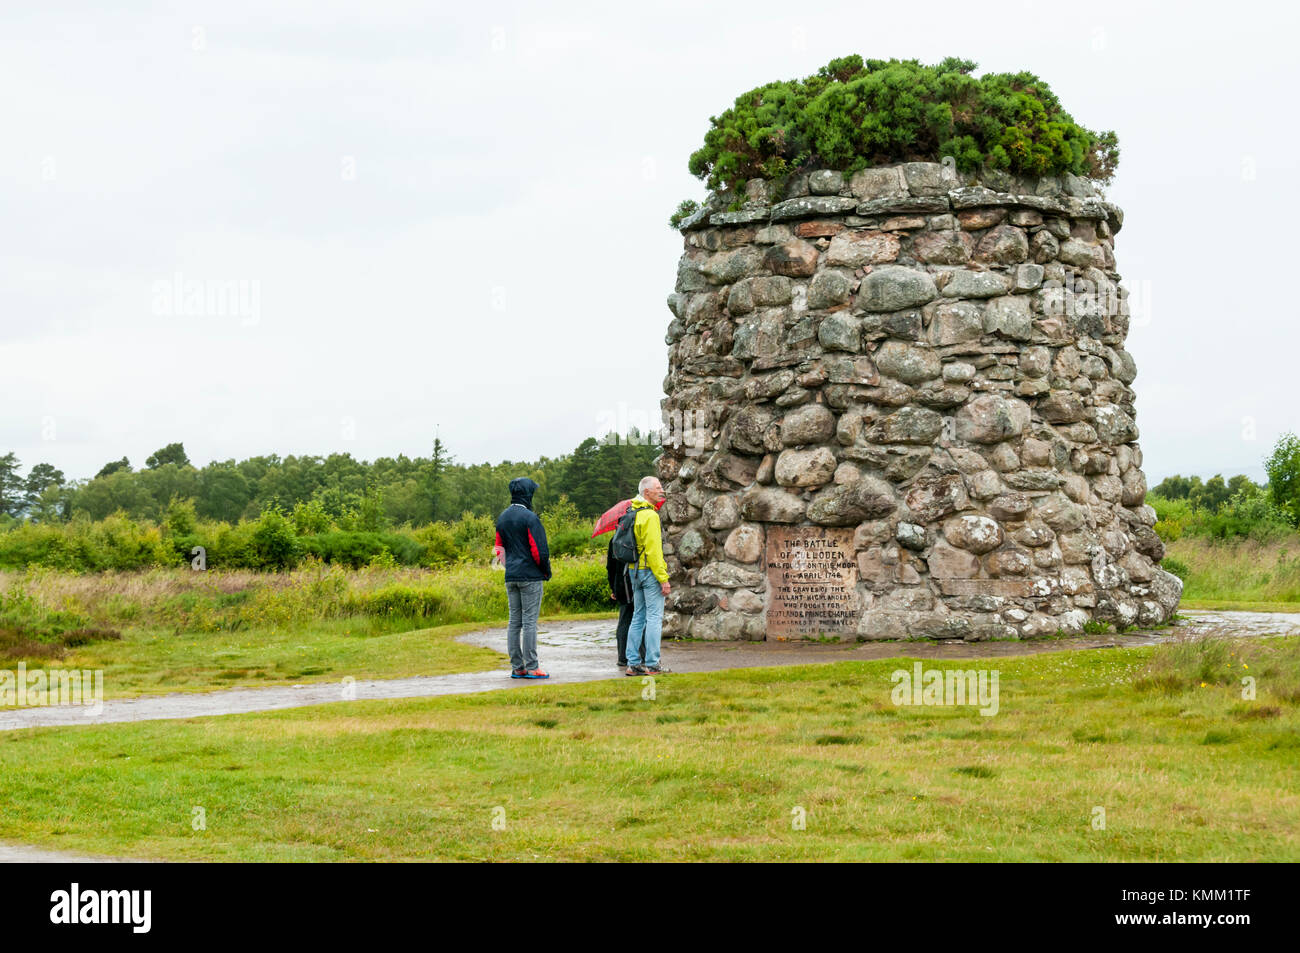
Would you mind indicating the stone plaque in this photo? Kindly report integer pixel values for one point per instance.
(812, 579)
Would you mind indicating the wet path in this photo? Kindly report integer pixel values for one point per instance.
(18, 854)
(1237, 624)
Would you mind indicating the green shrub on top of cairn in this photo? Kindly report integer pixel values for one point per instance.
(854, 113)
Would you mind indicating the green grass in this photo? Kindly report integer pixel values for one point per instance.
(168, 630)
(1239, 573)
(154, 662)
(46, 600)
(713, 768)
(1230, 605)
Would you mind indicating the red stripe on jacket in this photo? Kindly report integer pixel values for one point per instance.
(532, 544)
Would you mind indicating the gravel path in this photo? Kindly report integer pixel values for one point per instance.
(18, 854)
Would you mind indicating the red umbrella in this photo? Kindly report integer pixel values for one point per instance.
(609, 519)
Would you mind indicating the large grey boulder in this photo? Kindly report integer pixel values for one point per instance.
(990, 418)
(765, 504)
(908, 363)
(805, 467)
(865, 499)
(895, 287)
(811, 423)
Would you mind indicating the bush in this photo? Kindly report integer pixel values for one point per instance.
(400, 601)
(274, 541)
(1247, 512)
(184, 545)
(1175, 566)
(685, 209)
(115, 542)
(578, 586)
(353, 550)
(574, 542)
(854, 113)
(406, 550)
(1172, 515)
(439, 545)
(474, 536)
(181, 519)
(1283, 468)
(360, 549)
(310, 518)
(229, 547)
(382, 560)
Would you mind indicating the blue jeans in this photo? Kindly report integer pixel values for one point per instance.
(525, 601)
(644, 634)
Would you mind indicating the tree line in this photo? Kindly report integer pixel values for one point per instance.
(388, 492)
(347, 494)
(1237, 506)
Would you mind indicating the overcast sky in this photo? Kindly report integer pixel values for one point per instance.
(452, 217)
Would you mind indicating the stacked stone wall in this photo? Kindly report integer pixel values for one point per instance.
(930, 364)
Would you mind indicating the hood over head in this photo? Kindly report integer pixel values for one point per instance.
(522, 490)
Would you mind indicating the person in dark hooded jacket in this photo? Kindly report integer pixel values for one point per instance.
(621, 592)
(521, 539)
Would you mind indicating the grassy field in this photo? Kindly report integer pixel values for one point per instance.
(1239, 573)
(1237, 605)
(714, 767)
(149, 662)
(164, 630)
(176, 630)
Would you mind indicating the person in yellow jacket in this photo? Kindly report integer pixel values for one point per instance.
(649, 579)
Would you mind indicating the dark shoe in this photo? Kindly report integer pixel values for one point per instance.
(535, 673)
(622, 663)
(518, 673)
(658, 670)
(634, 670)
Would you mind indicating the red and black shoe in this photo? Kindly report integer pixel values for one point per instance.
(535, 673)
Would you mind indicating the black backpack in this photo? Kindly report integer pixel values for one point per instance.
(625, 548)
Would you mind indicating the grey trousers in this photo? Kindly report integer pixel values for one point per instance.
(525, 600)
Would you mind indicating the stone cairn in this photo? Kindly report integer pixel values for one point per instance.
(924, 371)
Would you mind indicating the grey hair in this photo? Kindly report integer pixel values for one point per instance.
(646, 483)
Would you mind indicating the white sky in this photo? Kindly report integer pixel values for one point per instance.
(422, 197)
